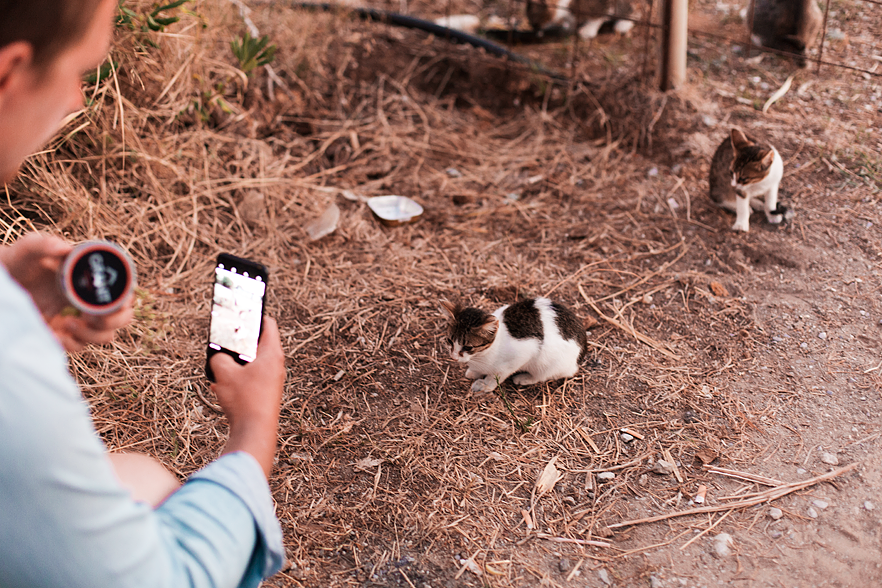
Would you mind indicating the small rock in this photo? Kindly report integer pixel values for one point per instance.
(605, 476)
(829, 458)
(822, 504)
(564, 565)
(822, 335)
(663, 468)
(643, 479)
(653, 172)
(627, 438)
(812, 512)
(690, 416)
(604, 576)
(775, 513)
(800, 471)
(869, 505)
(453, 172)
(776, 534)
(723, 545)
(803, 345)
(777, 339)
(655, 582)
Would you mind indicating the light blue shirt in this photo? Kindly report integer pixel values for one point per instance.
(65, 521)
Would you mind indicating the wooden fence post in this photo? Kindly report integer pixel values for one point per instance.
(675, 18)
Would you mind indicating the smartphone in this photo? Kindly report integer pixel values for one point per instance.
(236, 309)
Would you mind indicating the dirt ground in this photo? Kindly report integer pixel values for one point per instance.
(760, 353)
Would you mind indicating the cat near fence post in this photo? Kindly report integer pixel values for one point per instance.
(745, 174)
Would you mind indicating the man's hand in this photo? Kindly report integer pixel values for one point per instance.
(250, 396)
(33, 261)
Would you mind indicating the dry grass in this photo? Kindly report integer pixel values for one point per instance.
(384, 454)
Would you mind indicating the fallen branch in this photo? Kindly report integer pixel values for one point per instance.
(767, 496)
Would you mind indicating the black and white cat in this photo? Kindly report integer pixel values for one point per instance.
(535, 339)
(745, 174)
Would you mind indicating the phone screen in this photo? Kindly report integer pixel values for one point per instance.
(236, 308)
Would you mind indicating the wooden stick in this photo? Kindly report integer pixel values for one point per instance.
(576, 541)
(744, 476)
(766, 496)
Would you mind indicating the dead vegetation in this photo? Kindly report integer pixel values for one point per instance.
(389, 471)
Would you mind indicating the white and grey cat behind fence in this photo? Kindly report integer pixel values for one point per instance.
(745, 174)
(535, 340)
(583, 16)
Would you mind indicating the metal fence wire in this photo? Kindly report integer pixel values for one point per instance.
(651, 21)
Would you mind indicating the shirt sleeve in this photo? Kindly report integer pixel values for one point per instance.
(65, 519)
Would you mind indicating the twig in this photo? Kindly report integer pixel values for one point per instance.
(576, 541)
(766, 496)
(719, 520)
(744, 476)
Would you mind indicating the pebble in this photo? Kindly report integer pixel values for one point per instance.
(822, 335)
(777, 339)
(627, 438)
(829, 458)
(655, 582)
(453, 172)
(812, 512)
(723, 545)
(604, 576)
(775, 513)
(800, 471)
(822, 504)
(803, 345)
(605, 476)
(564, 565)
(869, 505)
(663, 468)
(653, 172)
(776, 534)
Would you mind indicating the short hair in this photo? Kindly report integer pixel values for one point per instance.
(50, 26)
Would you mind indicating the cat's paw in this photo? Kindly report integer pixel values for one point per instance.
(741, 226)
(524, 379)
(484, 385)
(472, 374)
(774, 218)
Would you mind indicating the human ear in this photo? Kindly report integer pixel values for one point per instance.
(15, 59)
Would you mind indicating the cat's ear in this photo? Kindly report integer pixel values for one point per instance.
(767, 158)
(739, 140)
(449, 307)
(488, 329)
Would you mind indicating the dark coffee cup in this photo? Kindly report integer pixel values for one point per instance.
(97, 276)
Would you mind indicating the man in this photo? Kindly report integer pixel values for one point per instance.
(72, 515)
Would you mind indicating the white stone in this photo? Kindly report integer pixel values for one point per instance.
(812, 512)
(822, 504)
(723, 545)
(605, 476)
(829, 458)
(775, 513)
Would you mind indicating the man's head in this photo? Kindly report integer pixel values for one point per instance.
(45, 48)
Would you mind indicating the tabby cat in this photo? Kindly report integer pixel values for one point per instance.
(585, 16)
(787, 25)
(534, 339)
(745, 174)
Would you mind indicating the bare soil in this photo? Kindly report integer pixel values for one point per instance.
(757, 352)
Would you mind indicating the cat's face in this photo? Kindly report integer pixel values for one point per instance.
(469, 331)
(750, 162)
